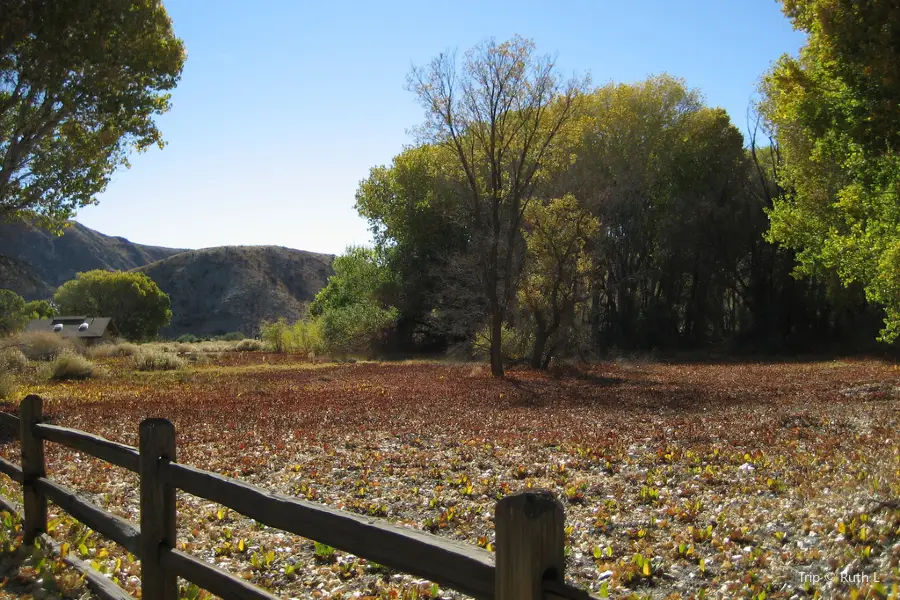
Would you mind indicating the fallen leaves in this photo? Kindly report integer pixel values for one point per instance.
(679, 481)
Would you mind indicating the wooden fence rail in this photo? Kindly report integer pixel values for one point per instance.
(529, 563)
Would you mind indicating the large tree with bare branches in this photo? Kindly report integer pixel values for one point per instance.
(501, 114)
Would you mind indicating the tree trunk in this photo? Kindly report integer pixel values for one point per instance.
(537, 350)
(496, 344)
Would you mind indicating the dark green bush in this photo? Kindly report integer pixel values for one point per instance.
(234, 336)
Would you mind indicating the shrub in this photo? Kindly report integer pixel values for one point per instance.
(304, 337)
(156, 360)
(7, 386)
(111, 350)
(249, 345)
(43, 345)
(308, 337)
(276, 334)
(233, 336)
(12, 359)
(356, 328)
(70, 365)
(187, 338)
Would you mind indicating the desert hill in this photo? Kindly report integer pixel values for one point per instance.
(213, 291)
(53, 260)
(233, 288)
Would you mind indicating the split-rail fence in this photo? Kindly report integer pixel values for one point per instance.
(528, 564)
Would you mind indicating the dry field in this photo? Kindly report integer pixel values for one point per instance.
(739, 480)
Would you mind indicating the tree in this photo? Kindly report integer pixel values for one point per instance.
(353, 316)
(413, 211)
(500, 116)
(136, 304)
(40, 309)
(12, 312)
(558, 271)
(80, 83)
(15, 313)
(833, 111)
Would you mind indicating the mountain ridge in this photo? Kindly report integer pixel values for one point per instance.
(213, 290)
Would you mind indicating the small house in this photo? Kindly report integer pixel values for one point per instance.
(91, 330)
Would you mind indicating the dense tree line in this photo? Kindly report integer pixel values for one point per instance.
(550, 219)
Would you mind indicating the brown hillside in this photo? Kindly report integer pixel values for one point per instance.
(233, 288)
(53, 260)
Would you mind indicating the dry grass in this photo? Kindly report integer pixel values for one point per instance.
(249, 345)
(111, 350)
(8, 385)
(70, 365)
(149, 359)
(43, 345)
(12, 359)
(729, 478)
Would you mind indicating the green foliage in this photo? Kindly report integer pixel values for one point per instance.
(12, 312)
(232, 336)
(356, 328)
(187, 338)
(80, 84)
(558, 270)
(146, 359)
(358, 275)
(136, 304)
(303, 337)
(324, 553)
(40, 309)
(349, 315)
(833, 111)
(420, 231)
(15, 313)
(71, 365)
(504, 115)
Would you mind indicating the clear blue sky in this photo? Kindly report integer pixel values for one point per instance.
(285, 105)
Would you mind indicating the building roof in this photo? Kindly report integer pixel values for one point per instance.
(75, 327)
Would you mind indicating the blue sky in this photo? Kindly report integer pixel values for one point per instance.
(285, 105)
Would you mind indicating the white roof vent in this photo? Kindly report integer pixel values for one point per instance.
(57, 327)
(83, 327)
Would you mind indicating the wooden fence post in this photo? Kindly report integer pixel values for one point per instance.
(33, 467)
(530, 544)
(157, 443)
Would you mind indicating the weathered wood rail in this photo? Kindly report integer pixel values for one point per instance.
(529, 563)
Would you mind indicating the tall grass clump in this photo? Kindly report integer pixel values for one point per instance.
(156, 360)
(12, 359)
(70, 365)
(43, 345)
(249, 345)
(111, 350)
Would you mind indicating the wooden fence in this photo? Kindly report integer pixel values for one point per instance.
(529, 563)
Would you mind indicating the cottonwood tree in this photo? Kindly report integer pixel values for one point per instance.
(833, 110)
(136, 304)
(500, 114)
(558, 271)
(80, 84)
